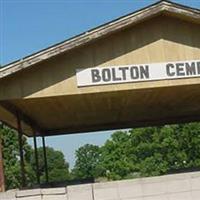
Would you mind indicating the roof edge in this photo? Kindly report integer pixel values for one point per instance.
(98, 32)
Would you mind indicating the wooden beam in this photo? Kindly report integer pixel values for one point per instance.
(36, 157)
(25, 118)
(45, 160)
(121, 125)
(21, 152)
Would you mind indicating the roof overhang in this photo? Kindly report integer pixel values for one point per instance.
(162, 7)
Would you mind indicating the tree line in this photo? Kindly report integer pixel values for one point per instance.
(58, 168)
(128, 154)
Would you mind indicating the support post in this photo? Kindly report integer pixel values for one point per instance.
(36, 157)
(45, 159)
(21, 153)
(2, 180)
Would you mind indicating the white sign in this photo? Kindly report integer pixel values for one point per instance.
(137, 73)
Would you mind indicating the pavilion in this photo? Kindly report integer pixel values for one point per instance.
(142, 69)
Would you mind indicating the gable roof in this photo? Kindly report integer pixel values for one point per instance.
(161, 7)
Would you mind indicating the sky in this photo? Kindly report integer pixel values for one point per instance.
(27, 26)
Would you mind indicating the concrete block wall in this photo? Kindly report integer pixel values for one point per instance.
(184, 186)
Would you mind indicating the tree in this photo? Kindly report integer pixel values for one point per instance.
(143, 152)
(166, 149)
(148, 152)
(115, 162)
(87, 159)
(58, 168)
(11, 158)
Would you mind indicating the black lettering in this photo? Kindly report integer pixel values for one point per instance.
(123, 69)
(134, 72)
(115, 78)
(198, 67)
(190, 68)
(144, 72)
(169, 67)
(179, 69)
(95, 76)
(106, 75)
